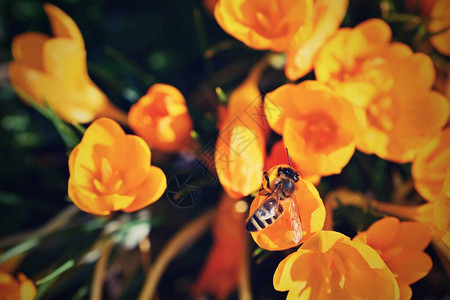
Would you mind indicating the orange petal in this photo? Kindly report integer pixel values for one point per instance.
(405, 291)
(278, 106)
(440, 20)
(410, 265)
(27, 48)
(412, 235)
(383, 233)
(328, 15)
(375, 31)
(63, 25)
(413, 75)
(150, 190)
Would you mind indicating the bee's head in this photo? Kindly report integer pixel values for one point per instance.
(288, 172)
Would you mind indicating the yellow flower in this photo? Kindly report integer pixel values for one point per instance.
(278, 236)
(430, 165)
(161, 118)
(16, 289)
(331, 266)
(319, 127)
(53, 69)
(111, 171)
(440, 20)
(296, 27)
(240, 147)
(389, 83)
(401, 245)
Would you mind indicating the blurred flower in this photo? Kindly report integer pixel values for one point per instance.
(209, 5)
(440, 21)
(298, 27)
(310, 208)
(434, 215)
(430, 165)
(220, 274)
(240, 148)
(16, 289)
(401, 246)
(423, 7)
(331, 266)
(53, 69)
(318, 126)
(306, 43)
(161, 118)
(389, 83)
(111, 171)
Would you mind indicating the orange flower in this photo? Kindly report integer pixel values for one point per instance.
(319, 127)
(298, 27)
(440, 20)
(389, 83)
(111, 171)
(161, 118)
(16, 289)
(400, 245)
(265, 24)
(331, 266)
(430, 165)
(240, 147)
(53, 69)
(220, 275)
(304, 46)
(311, 210)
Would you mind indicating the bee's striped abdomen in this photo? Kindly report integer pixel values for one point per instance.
(265, 215)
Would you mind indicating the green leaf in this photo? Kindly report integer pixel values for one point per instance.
(19, 249)
(55, 274)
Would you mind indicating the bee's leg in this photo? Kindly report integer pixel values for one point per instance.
(266, 176)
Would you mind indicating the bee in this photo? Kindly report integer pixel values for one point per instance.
(280, 198)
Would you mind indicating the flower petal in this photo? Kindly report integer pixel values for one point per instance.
(27, 48)
(63, 25)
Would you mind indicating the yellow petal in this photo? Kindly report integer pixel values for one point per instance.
(63, 25)
(149, 191)
(382, 233)
(27, 48)
(65, 61)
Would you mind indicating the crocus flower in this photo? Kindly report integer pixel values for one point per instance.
(53, 69)
(278, 235)
(430, 165)
(318, 126)
(401, 246)
(221, 272)
(111, 171)
(296, 27)
(440, 22)
(16, 289)
(161, 118)
(390, 83)
(331, 266)
(240, 148)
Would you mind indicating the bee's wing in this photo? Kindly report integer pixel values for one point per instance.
(295, 233)
(266, 213)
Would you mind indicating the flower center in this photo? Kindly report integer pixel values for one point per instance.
(319, 132)
(381, 113)
(109, 181)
